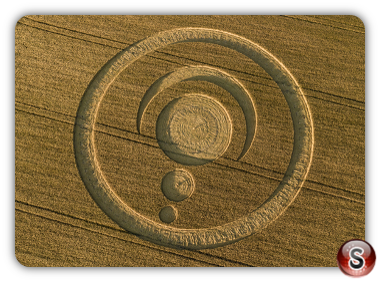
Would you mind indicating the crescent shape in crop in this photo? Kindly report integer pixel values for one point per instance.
(215, 76)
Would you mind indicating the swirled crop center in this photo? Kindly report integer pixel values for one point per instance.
(194, 129)
(178, 185)
(215, 76)
(129, 219)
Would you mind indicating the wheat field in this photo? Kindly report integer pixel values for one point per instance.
(231, 141)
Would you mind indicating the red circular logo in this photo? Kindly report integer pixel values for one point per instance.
(356, 258)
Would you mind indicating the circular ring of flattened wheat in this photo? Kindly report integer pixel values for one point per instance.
(134, 222)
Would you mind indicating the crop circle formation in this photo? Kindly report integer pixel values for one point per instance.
(129, 219)
(212, 75)
(178, 185)
(194, 129)
(168, 214)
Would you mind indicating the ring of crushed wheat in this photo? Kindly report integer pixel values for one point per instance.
(136, 223)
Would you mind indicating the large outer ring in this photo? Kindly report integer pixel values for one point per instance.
(134, 222)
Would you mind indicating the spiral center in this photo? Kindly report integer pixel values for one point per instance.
(194, 129)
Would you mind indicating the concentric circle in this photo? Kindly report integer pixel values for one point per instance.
(178, 185)
(194, 129)
(134, 222)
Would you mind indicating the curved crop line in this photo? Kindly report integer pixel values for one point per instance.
(215, 76)
(125, 216)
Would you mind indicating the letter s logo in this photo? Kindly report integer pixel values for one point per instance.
(356, 261)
